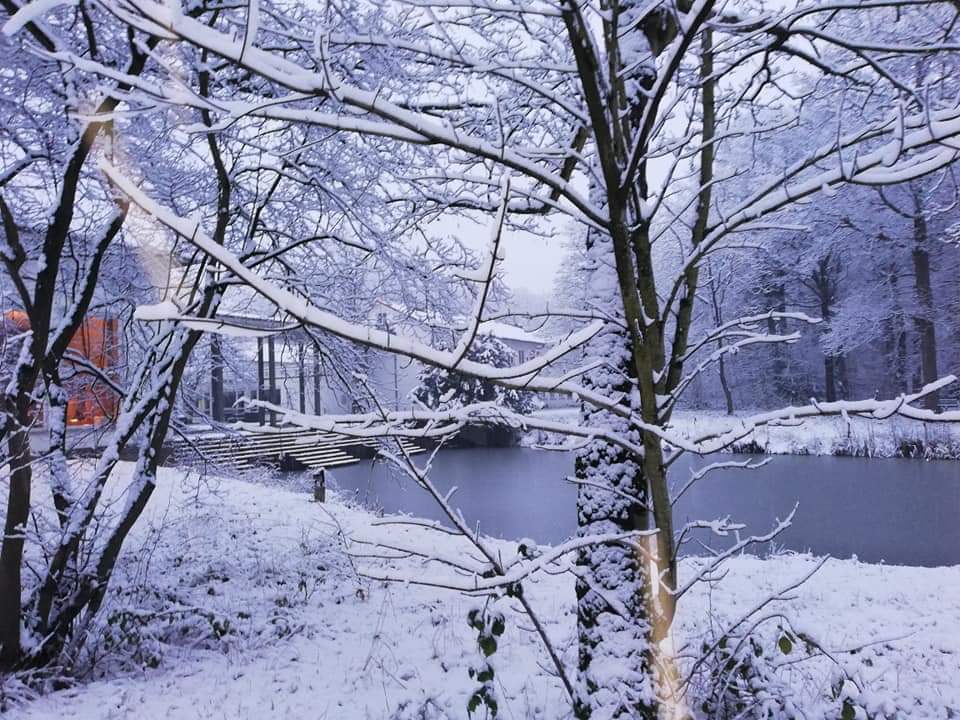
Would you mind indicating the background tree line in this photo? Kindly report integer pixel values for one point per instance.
(881, 271)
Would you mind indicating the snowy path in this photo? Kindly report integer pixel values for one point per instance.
(308, 639)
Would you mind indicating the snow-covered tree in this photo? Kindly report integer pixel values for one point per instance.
(72, 248)
(441, 389)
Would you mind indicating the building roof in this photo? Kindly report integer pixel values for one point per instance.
(503, 331)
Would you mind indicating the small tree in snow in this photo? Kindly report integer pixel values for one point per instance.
(441, 389)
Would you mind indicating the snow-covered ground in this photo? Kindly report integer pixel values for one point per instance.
(236, 600)
(893, 437)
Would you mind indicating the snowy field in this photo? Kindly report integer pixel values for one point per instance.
(236, 600)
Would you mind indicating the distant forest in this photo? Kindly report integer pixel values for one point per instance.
(879, 267)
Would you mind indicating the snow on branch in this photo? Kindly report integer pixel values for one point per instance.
(419, 423)
(868, 409)
(526, 8)
(30, 13)
(697, 475)
(889, 164)
(484, 276)
(722, 528)
(748, 323)
(483, 578)
(525, 376)
(168, 310)
(419, 127)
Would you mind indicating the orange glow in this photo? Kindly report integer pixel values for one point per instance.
(90, 400)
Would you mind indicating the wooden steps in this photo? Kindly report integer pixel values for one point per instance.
(311, 448)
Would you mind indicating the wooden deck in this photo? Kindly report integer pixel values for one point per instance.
(286, 449)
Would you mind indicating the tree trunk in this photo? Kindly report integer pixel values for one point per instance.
(216, 379)
(11, 555)
(717, 303)
(725, 386)
(822, 286)
(261, 392)
(843, 379)
(302, 377)
(317, 400)
(777, 300)
(901, 376)
(924, 321)
(615, 645)
(272, 376)
(829, 378)
(895, 338)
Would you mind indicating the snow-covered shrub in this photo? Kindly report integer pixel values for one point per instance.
(851, 698)
(427, 709)
(759, 676)
(16, 689)
(849, 705)
(204, 576)
(142, 637)
(743, 678)
(442, 390)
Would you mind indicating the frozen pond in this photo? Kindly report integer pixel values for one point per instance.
(903, 512)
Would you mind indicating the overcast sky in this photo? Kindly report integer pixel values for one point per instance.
(530, 261)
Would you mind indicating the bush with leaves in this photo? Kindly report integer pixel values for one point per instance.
(743, 679)
(489, 624)
(850, 699)
(144, 624)
(752, 676)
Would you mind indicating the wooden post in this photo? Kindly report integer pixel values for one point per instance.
(216, 379)
(317, 401)
(301, 366)
(272, 375)
(320, 485)
(260, 415)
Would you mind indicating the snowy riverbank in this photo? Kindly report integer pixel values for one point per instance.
(236, 600)
(853, 436)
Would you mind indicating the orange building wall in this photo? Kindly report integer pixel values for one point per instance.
(90, 400)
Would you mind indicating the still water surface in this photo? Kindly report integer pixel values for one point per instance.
(903, 512)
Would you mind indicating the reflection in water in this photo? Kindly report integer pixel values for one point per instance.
(902, 512)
